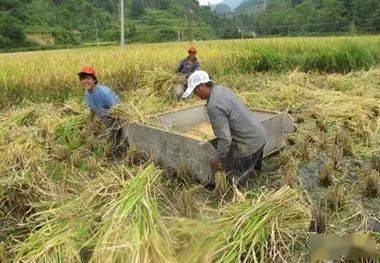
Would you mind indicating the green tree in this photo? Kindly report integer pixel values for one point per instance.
(137, 8)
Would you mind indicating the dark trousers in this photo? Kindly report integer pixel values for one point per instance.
(240, 168)
(116, 138)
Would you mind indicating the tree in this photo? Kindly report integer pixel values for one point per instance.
(11, 32)
(137, 8)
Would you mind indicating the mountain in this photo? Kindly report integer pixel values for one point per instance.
(308, 17)
(250, 6)
(37, 23)
(233, 3)
(222, 9)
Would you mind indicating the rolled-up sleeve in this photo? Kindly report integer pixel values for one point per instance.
(221, 127)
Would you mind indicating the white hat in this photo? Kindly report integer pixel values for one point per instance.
(197, 78)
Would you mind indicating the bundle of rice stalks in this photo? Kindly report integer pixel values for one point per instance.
(253, 231)
(72, 131)
(128, 113)
(21, 154)
(24, 117)
(73, 107)
(131, 229)
(221, 183)
(161, 82)
(59, 240)
(64, 225)
(58, 235)
(188, 200)
(138, 108)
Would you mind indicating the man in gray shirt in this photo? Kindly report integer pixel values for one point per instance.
(241, 137)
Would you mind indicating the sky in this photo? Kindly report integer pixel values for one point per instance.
(205, 2)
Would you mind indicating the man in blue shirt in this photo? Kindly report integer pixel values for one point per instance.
(100, 99)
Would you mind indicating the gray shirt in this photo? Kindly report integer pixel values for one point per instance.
(239, 133)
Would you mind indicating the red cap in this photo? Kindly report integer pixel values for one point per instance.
(192, 49)
(88, 71)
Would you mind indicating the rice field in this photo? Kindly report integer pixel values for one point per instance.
(63, 199)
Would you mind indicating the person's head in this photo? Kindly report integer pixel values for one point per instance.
(192, 52)
(200, 83)
(87, 78)
(202, 91)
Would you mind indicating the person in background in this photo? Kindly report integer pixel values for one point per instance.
(100, 99)
(240, 135)
(190, 64)
(186, 67)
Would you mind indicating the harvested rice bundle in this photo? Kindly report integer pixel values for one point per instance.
(59, 233)
(128, 113)
(161, 82)
(66, 225)
(253, 231)
(131, 230)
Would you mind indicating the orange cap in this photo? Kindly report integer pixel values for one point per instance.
(88, 70)
(192, 49)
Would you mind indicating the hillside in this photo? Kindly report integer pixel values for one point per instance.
(308, 17)
(222, 9)
(233, 3)
(250, 6)
(63, 22)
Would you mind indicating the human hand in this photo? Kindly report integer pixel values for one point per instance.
(216, 164)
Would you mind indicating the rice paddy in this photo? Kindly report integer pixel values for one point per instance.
(63, 199)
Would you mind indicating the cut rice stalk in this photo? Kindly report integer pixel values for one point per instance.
(131, 230)
(252, 231)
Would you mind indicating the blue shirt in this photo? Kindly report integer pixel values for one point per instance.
(100, 100)
(187, 67)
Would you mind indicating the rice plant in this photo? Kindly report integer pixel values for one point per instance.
(253, 230)
(325, 174)
(221, 183)
(131, 229)
(55, 78)
(371, 184)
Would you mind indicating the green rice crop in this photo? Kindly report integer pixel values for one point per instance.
(51, 76)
